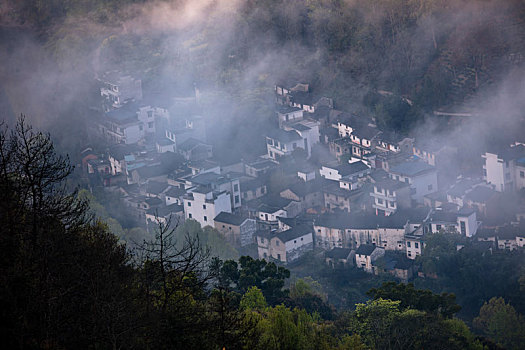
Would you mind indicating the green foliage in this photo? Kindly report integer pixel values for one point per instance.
(253, 299)
(500, 322)
(423, 300)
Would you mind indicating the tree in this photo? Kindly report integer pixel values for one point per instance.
(419, 299)
(64, 280)
(253, 299)
(500, 322)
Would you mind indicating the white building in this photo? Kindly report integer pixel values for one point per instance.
(204, 205)
(118, 89)
(421, 177)
(389, 195)
(286, 246)
(287, 114)
(505, 169)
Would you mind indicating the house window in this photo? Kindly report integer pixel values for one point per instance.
(230, 228)
(236, 199)
(408, 244)
(277, 243)
(189, 204)
(484, 172)
(463, 227)
(294, 241)
(409, 254)
(522, 174)
(416, 244)
(205, 218)
(189, 215)
(429, 187)
(406, 179)
(150, 125)
(379, 201)
(270, 142)
(204, 206)
(438, 227)
(302, 238)
(223, 226)
(235, 188)
(263, 189)
(265, 255)
(279, 256)
(392, 204)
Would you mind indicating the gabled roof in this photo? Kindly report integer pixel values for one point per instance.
(302, 189)
(461, 187)
(190, 144)
(287, 109)
(411, 168)
(155, 187)
(284, 136)
(480, 194)
(175, 192)
(147, 172)
(294, 232)
(352, 168)
(120, 151)
(366, 132)
(365, 249)
(391, 184)
(338, 253)
(229, 218)
(166, 210)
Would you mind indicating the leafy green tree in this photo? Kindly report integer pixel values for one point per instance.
(253, 299)
(423, 300)
(500, 322)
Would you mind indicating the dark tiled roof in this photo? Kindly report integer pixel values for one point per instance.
(390, 184)
(155, 187)
(411, 168)
(284, 136)
(287, 109)
(175, 192)
(480, 194)
(229, 218)
(294, 232)
(365, 249)
(352, 168)
(338, 253)
(166, 210)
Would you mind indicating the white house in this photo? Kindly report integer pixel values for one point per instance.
(505, 169)
(389, 195)
(203, 205)
(117, 89)
(421, 177)
(286, 246)
(287, 114)
(366, 255)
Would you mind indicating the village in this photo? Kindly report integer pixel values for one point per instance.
(357, 195)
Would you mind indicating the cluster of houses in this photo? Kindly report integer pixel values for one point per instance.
(357, 194)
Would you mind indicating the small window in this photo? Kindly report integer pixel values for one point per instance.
(235, 187)
(279, 256)
(204, 206)
(408, 244)
(416, 245)
(277, 243)
(302, 238)
(406, 179)
(189, 215)
(205, 218)
(150, 125)
(522, 174)
(229, 227)
(189, 204)
(223, 226)
(236, 199)
(294, 241)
